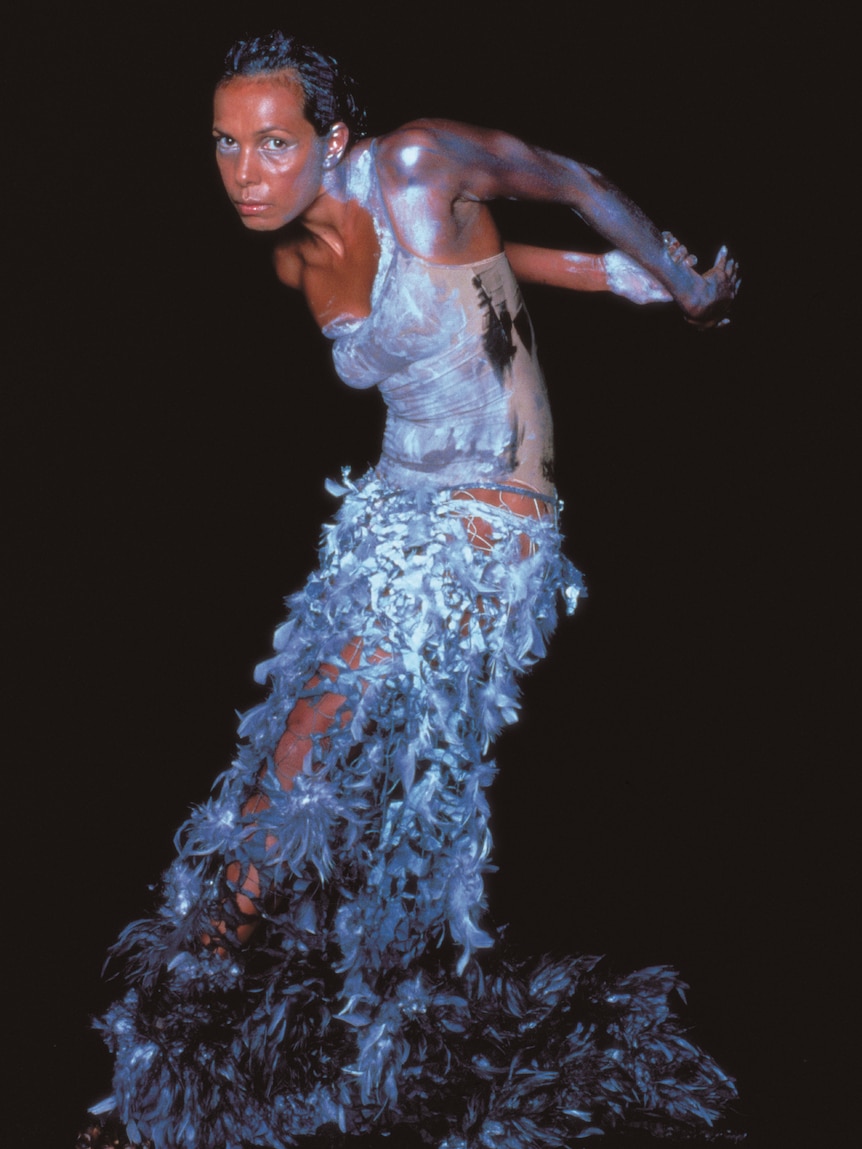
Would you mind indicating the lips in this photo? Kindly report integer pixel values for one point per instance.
(250, 207)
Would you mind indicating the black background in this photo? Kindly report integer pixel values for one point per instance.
(677, 791)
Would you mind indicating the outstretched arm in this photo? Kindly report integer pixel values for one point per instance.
(614, 271)
(455, 169)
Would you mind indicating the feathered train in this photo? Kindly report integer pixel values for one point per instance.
(364, 999)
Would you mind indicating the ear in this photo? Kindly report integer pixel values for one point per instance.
(337, 139)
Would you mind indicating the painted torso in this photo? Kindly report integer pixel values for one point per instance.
(451, 350)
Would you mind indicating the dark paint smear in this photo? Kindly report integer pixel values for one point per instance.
(498, 331)
(524, 328)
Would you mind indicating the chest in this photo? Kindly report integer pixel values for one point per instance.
(337, 280)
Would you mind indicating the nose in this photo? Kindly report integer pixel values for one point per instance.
(246, 171)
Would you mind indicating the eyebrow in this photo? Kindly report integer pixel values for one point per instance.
(262, 132)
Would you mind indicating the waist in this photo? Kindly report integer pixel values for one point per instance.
(521, 500)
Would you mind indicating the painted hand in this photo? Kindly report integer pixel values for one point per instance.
(720, 285)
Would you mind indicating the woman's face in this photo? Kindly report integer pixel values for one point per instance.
(270, 158)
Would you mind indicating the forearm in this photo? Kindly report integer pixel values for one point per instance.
(533, 173)
(573, 270)
(518, 170)
(610, 213)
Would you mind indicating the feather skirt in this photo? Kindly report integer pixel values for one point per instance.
(364, 1000)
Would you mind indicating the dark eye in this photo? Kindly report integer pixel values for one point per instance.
(224, 143)
(275, 144)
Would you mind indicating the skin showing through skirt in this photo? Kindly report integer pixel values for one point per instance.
(310, 719)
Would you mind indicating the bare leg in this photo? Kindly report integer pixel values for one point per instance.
(307, 720)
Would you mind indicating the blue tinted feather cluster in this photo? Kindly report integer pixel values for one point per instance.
(365, 999)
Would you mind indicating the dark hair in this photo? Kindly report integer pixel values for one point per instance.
(330, 94)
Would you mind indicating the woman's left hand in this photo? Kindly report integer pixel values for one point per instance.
(720, 285)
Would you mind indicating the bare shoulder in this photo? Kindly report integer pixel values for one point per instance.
(288, 262)
(465, 161)
(426, 151)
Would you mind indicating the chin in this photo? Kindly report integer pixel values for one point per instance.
(251, 223)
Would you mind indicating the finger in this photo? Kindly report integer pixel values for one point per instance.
(679, 253)
(721, 258)
(670, 241)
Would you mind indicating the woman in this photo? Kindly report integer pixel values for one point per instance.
(313, 963)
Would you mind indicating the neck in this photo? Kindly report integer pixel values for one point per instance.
(326, 217)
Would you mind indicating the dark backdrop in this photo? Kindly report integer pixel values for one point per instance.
(675, 792)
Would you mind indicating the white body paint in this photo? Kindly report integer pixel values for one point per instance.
(451, 350)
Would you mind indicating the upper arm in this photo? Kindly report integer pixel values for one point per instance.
(482, 164)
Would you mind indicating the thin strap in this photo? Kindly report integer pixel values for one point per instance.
(528, 492)
(551, 500)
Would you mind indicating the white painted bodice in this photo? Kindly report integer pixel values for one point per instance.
(447, 346)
